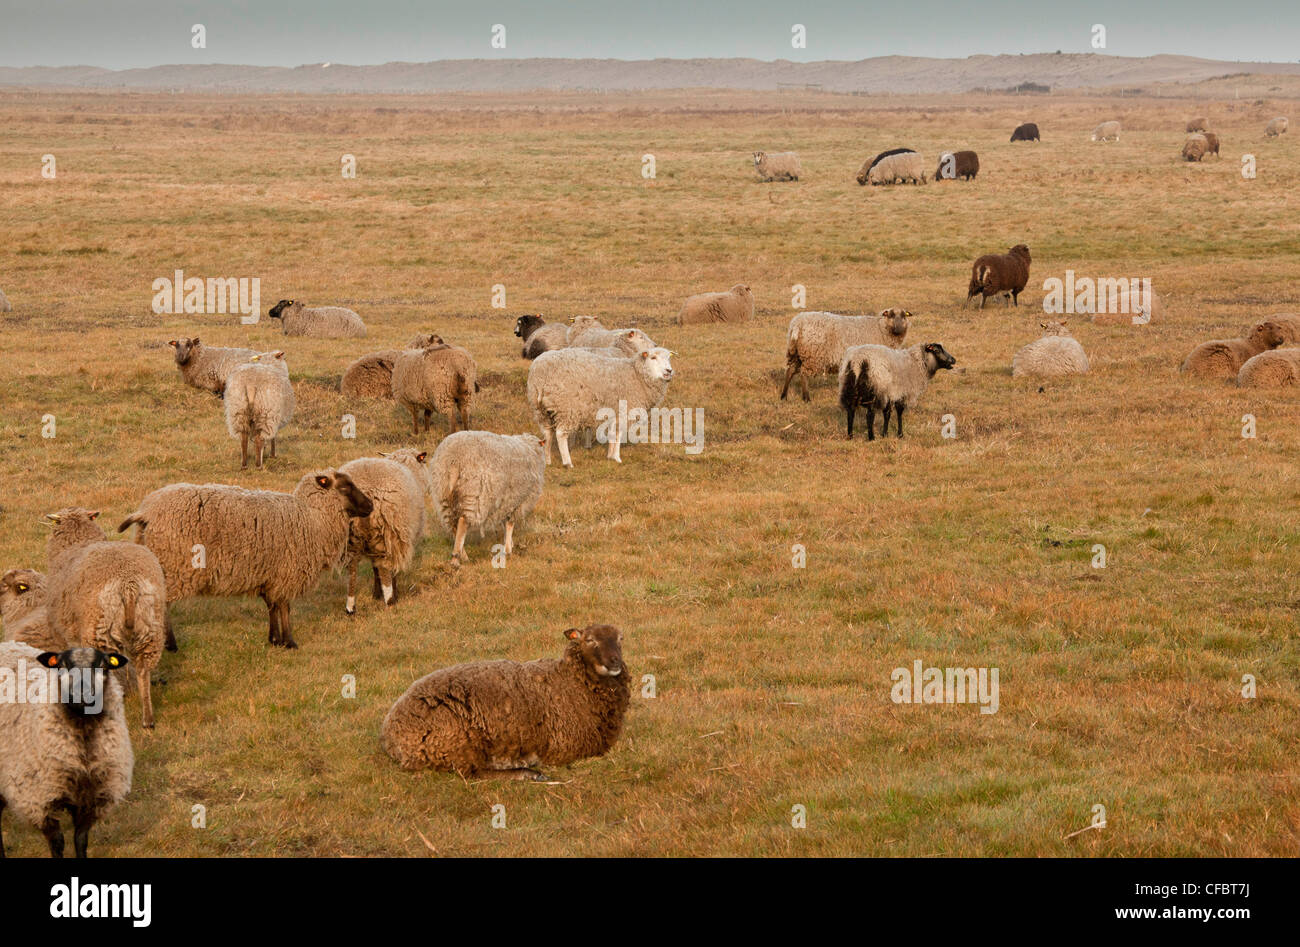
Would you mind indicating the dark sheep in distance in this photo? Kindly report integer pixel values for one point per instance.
(964, 165)
(1025, 132)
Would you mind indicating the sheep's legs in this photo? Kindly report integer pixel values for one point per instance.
(510, 537)
(170, 643)
(791, 369)
(871, 422)
(428, 418)
(884, 427)
(273, 636)
(458, 547)
(286, 626)
(53, 836)
(615, 441)
(146, 697)
(81, 823)
(243, 450)
(849, 409)
(548, 435)
(464, 417)
(350, 606)
(898, 414)
(387, 587)
(260, 444)
(415, 419)
(273, 447)
(803, 385)
(562, 442)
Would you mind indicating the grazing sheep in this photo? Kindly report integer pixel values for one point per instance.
(626, 341)
(503, 718)
(106, 595)
(1056, 353)
(1197, 125)
(4, 302)
(371, 376)
(275, 545)
(539, 336)
(1279, 368)
(259, 402)
(1195, 147)
(994, 273)
(390, 535)
(566, 390)
(898, 164)
(1211, 144)
(778, 166)
(440, 378)
(816, 341)
(321, 322)
(1277, 126)
(958, 164)
(1106, 131)
(207, 366)
(863, 173)
(24, 608)
(876, 376)
(1223, 358)
(1026, 132)
(735, 305)
(73, 753)
(484, 481)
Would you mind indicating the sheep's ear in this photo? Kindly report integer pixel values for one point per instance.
(645, 354)
(116, 660)
(194, 341)
(323, 482)
(422, 456)
(1043, 325)
(573, 634)
(48, 658)
(173, 343)
(94, 515)
(52, 517)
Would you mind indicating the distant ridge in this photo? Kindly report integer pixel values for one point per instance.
(884, 74)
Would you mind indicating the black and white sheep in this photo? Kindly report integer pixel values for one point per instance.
(875, 376)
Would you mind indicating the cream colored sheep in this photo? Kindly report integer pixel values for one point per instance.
(735, 305)
(321, 322)
(484, 482)
(259, 403)
(1056, 353)
(440, 378)
(1106, 131)
(1277, 126)
(1149, 311)
(777, 166)
(816, 341)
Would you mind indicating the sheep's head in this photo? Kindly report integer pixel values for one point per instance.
(740, 289)
(657, 363)
(526, 325)
(83, 677)
(186, 349)
(19, 585)
(425, 340)
(896, 321)
(1021, 251)
(758, 157)
(936, 357)
(601, 647)
(1268, 334)
(277, 311)
(326, 483)
(1054, 328)
(862, 176)
(74, 526)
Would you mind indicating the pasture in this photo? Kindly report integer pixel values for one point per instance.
(1119, 686)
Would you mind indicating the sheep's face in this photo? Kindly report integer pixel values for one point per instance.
(936, 357)
(18, 584)
(1054, 328)
(76, 525)
(1268, 334)
(526, 325)
(186, 349)
(601, 646)
(83, 677)
(277, 311)
(322, 482)
(758, 158)
(896, 321)
(657, 363)
(740, 289)
(1021, 251)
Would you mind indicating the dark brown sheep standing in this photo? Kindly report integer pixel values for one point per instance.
(1004, 273)
(1025, 132)
(964, 165)
(503, 718)
(1211, 143)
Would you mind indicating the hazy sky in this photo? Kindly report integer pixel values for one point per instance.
(129, 33)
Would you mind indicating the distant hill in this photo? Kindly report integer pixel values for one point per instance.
(885, 74)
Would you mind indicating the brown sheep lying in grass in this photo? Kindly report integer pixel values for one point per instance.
(1279, 368)
(1223, 358)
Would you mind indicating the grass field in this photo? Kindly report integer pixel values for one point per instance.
(1118, 686)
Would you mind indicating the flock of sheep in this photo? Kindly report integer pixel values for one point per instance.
(101, 606)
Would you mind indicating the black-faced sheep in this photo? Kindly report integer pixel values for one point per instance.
(994, 273)
(1026, 132)
(320, 322)
(396, 487)
(207, 366)
(504, 719)
(895, 165)
(875, 376)
(540, 336)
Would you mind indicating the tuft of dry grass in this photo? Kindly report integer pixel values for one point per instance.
(1119, 686)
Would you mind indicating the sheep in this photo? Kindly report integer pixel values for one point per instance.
(1106, 131)
(994, 273)
(568, 388)
(504, 718)
(440, 378)
(1055, 353)
(735, 305)
(876, 376)
(71, 750)
(1195, 147)
(275, 545)
(626, 341)
(259, 402)
(540, 336)
(777, 166)
(1279, 368)
(898, 164)
(1223, 358)
(106, 595)
(578, 325)
(4, 303)
(1277, 126)
(958, 164)
(1026, 132)
(816, 341)
(321, 322)
(1211, 144)
(390, 535)
(1289, 323)
(864, 172)
(207, 367)
(371, 375)
(484, 481)
(24, 608)
(1149, 311)
(1197, 125)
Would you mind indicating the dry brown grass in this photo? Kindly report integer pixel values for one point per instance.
(1118, 686)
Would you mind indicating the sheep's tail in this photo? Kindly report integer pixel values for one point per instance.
(449, 499)
(133, 519)
(853, 379)
(792, 346)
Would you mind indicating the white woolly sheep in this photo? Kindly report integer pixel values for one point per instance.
(73, 752)
(1055, 353)
(1277, 126)
(483, 481)
(735, 305)
(627, 341)
(1106, 131)
(24, 609)
(105, 595)
(567, 389)
(902, 166)
(207, 367)
(876, 376)
(320, 322)
(1149, 309)
(816, 341)
(441, 378)
(777, 166)
(259, 403)
(1279, 368)
(390, 535)
(253, 542)
(579, 325)
(503, 719)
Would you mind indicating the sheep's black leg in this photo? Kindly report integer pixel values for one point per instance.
(243, 450)
(286, 627)
(884, 427)
(82, 820)
(53, 835)
(871, 422)
(791, 369)
(273, 637)
(170, 643)
(1015, 296)
(898, 413)
(849, 409)
(376, 592)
